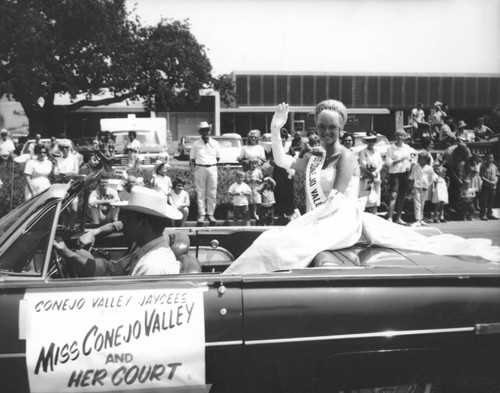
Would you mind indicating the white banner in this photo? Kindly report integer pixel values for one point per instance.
(107, 340)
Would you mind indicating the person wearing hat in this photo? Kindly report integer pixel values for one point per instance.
(370, 164)
(204, 156)
(144, 217)
(67, 167)
(67, 163)
(160, 181)
(460, 132)
(7, 146)
(436, 118)
(266, 207)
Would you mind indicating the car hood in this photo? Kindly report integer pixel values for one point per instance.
(229, 155)
(147, 148)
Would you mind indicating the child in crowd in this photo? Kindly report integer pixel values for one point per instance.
(440, 193)
(489, 175)
(266, 211)
(466, 200)
(254, 179)
(160, 181)
(241, 192)
(179, 198)
(422, 176)
(475, 179)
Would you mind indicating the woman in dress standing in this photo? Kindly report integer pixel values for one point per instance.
(37, 172)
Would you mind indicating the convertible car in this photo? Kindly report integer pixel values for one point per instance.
(362, 319)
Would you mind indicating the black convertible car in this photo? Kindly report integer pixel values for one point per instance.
(362, 319)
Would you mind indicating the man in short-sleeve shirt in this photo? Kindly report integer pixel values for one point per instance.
(204, 156)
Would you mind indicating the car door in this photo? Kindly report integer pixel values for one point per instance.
(111, 333)
(336, 330)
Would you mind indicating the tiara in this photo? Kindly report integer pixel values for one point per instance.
(330, 107)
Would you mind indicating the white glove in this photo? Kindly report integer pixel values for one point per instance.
(281, 159)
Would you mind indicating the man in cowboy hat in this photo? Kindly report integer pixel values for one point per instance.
(144, 217)
(204, 156)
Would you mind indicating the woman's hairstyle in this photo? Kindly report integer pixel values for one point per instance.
(284, 133)
(423, 155)
(400, 131)
(348, 135)
(132, 133)
(38, 148)
(332, 105)
(178, 180)
(254, 132)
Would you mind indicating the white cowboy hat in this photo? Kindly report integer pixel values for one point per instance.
(203, 125)
(160, 163)
(64, 143)
(147, 201)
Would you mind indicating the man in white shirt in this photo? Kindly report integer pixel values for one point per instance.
(204, 157)
(7, 146)
(419, 126)
(144, 217)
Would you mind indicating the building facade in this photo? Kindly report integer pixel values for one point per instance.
(379, 101)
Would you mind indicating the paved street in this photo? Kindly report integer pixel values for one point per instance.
(473, 229)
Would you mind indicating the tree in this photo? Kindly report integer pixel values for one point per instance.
(90, 46)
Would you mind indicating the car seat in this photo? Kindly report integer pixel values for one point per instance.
(180, 243)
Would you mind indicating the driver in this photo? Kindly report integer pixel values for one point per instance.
(144, 216)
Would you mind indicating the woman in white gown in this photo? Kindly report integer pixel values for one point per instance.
(335, 218)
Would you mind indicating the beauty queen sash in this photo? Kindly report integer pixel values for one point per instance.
(315, 194)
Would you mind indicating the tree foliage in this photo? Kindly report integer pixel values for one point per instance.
(90, 46)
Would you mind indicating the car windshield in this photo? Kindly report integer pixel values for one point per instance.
(228, 142)
(145, 136)
(17, 216)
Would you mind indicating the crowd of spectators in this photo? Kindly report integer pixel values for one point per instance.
(455, 184)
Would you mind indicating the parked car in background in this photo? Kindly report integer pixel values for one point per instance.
(381, 145)
(151, 132)
(183, 152)
(364, 318)
(25, 154)
(151, 148)
(230, 148)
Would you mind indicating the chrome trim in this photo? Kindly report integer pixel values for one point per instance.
(223, 343)
(12, 355)
(386, 334)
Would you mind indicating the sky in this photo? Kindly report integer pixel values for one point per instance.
(342, 36)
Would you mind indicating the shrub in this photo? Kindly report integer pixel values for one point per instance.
(14, 180)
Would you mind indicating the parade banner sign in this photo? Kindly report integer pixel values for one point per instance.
(114, 340)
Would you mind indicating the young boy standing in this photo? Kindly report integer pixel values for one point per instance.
(422, 176)
(241, 192)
